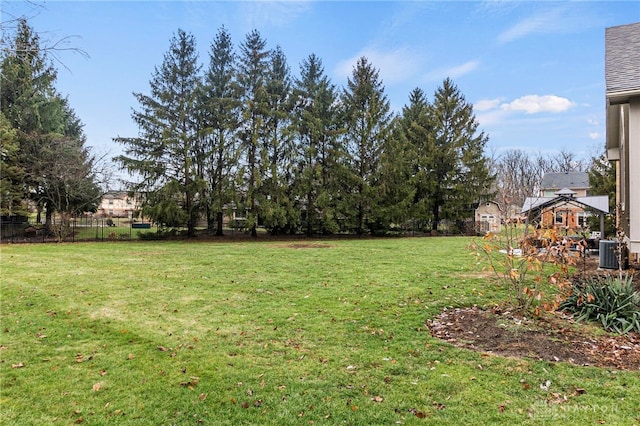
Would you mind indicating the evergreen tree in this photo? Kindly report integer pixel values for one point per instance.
(602, 180)
(221, 102)
(164, 153)
(461, 175)
(367, 120)
(395, 192)
(253, 70)
(417, 129)
(27, 87)
(12, 174)
(316, 125)
(44, 151)
(279, 212)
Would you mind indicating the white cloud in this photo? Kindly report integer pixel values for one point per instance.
(394, 65)
(532, 104)
(277, 13)
(594, 135)
(553, 20)
(486, 104)
(451, 72)
(496, 112)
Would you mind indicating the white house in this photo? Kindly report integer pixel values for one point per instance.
(488, 217)
(117, 204)
(622, 78)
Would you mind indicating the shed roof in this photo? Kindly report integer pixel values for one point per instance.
(569, 180)
(599, 203)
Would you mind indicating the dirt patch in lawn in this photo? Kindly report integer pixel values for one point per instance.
(305, 245)
(552, 337)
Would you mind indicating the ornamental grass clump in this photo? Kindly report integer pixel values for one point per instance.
(612, 301)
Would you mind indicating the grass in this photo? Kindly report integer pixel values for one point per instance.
(269, 333)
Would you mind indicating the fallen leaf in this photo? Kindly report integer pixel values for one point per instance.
(377, 399)
(131, 356)
(97, 387)
(18, 365)
(162, 349)
(418, 414)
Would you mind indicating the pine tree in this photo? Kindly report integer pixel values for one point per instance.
(316, 125)
(253, 70)
(221, 103)
(12, 174)
(279, 212)
(417, 129)
(395, 192)
(164, 153)
(461, 175)
(367, 119)
(44, 144)
(602, 181)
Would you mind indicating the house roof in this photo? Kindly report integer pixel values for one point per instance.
(622, 80)
(599, 203)
(565, 181)
(622, 62)
(115, 195)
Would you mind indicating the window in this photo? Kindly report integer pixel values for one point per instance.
(559, 218)
(110, 201)
(581, 219)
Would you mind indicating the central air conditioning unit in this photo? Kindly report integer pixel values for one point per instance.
(610, 252)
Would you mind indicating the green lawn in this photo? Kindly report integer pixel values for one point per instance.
(269, 332)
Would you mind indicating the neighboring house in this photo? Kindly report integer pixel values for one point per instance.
(566, 211)
(488, 217)
(563, 202)
(117, 204)
(578, 182)
(622, 77)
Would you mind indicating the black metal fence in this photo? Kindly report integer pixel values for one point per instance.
(84, 228)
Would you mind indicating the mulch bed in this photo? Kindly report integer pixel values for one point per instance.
(553, 337)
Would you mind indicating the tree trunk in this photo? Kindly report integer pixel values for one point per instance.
(219, 218)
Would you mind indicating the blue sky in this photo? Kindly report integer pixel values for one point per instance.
(534, 71)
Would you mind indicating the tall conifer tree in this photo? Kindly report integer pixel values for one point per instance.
(253, 67)
(164, 153)
(278, 209)
(316, 125)
(367, 120)
(220, 110)
(417, 129)
(48, 162)
(461, 174)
